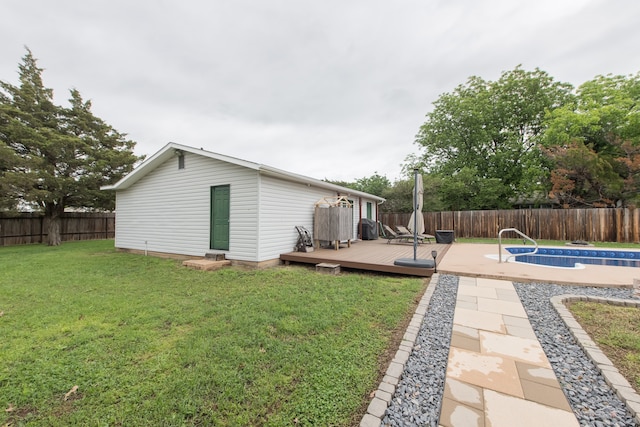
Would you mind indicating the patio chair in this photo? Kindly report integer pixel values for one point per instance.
(392, 235)
(404, 230)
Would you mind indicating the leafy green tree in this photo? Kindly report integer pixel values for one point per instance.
(491, 129)
(347, 184)
(628, 166)
(592, 143)
(375, 184)
(582, 178)
(467, 190)
(61, 156)
(398, 197)
(432, 195)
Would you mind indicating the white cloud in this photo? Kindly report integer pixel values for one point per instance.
(329, 89)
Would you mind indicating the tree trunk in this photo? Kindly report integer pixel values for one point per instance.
(53, 212)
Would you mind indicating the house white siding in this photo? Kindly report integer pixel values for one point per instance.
(162, 207)
(283, 205)
(362, 212)
(356, 215)
(169, 208)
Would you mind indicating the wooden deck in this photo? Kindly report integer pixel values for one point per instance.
(372, 255)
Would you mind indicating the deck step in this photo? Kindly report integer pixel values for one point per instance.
(206, 264)
(328, 268)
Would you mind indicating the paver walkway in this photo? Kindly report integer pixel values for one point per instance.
(497, 372)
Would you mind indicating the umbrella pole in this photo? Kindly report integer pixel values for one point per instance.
(415, 213)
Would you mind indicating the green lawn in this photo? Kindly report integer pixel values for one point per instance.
(616, 330)
(148, 342)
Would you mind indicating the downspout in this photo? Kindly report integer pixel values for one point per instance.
(360, 216)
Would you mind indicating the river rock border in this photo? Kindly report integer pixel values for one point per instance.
(612, 376)
(386, 389)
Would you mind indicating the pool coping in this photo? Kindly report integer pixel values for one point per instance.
(469, 259)
(611, 375)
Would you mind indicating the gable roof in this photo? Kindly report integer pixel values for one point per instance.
(169, 150)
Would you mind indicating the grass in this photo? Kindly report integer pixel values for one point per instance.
(616, 330)
(149, 342)
(544, 242)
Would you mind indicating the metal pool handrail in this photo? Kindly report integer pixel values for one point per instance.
(535, 250)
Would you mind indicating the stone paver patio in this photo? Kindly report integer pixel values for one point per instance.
(497, 372)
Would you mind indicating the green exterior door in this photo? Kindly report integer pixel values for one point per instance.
(219, 238)
(369, 210)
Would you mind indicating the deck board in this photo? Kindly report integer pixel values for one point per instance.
(372, 255)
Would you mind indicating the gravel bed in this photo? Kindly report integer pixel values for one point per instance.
(592, 400)
(418, 396)
(419, 393)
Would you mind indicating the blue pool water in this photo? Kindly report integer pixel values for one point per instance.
(569, 257)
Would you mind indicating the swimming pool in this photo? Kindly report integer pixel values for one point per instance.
(576, 257)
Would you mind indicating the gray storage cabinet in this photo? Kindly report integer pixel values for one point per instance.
(445, 236)
(333, 224)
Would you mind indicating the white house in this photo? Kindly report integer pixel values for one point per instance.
(188, 201)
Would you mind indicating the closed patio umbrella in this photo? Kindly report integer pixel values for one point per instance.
(417, 227)
(417, 207)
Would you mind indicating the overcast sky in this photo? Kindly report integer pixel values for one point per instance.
(331, 89)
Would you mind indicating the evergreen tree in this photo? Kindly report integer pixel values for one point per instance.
(55, 157)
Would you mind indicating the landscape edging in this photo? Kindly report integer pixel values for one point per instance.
(612, 376)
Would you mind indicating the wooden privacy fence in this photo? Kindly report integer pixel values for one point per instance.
(593, 225)
(32, 227)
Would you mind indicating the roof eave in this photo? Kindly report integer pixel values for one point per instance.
(170, 149)
(317, 183)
